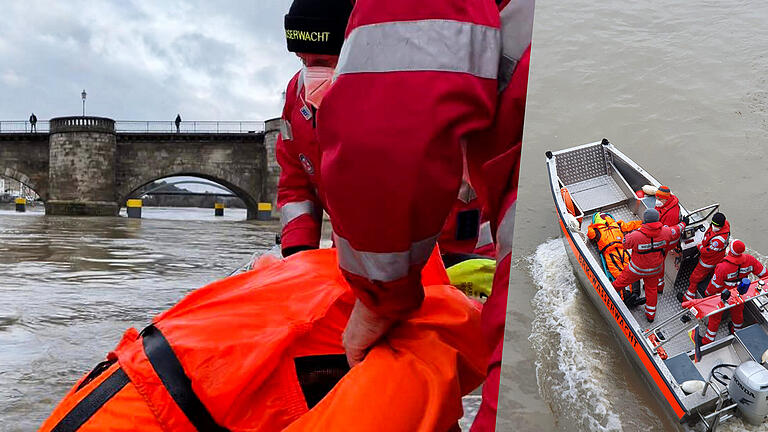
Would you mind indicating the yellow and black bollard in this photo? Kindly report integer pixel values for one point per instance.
(21, 205)
(218, 209)
(264, 212)
(134, 208)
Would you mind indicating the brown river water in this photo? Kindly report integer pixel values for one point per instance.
(680, 87)
(69, 288)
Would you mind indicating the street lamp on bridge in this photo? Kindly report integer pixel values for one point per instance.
(83, 95)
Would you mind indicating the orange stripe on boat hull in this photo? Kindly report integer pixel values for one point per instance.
(626, 329)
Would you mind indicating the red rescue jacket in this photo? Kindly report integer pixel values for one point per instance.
(731, 270)
(650, 244)
(669, 214)
(254, 352)
(298, 155)
(417, 107)
(714, 246)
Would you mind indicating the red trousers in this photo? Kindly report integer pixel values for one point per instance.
(653, 283)
(737, 316)
(699, 274)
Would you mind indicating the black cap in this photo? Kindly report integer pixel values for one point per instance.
(718, 219)
(317, 26)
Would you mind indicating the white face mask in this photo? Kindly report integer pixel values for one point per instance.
(715, 228)
(660, 203)
(317, 81)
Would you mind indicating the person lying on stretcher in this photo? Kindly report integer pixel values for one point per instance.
(609, 236)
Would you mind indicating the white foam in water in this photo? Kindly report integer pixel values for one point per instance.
(569, 374)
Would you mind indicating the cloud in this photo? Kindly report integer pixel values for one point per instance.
(11, 79)
(144, 60)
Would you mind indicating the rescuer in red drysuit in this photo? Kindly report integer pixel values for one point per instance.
(649, 245)
(712, 250)
(668, 206)
(297, 150)
(731, 270)
(392, 129)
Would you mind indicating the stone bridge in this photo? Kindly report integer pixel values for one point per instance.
(82, 166)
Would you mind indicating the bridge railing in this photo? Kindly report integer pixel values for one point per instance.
(137, 126)
(21, 126)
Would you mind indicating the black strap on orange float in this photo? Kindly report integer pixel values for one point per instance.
(87, 407)
(176, 382)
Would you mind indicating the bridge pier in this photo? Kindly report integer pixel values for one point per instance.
(82, 167)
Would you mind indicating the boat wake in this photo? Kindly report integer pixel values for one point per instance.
(580, 369)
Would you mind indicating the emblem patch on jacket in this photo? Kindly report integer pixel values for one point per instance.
(307, 164)
(305, 111)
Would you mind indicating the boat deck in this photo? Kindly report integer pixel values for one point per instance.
(596, 192)
(667, 303)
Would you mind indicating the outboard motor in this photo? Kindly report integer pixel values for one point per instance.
(749, 389)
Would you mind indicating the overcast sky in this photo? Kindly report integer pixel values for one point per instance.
(144, 60)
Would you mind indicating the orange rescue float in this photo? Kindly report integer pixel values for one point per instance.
(261, 351)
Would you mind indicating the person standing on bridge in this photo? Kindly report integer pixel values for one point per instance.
(33, 123)
(178, 122)
(417, 87)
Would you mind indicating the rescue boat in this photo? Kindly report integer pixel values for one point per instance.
(700, 387)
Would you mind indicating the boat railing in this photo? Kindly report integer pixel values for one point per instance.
(661, 341)
(720, 414)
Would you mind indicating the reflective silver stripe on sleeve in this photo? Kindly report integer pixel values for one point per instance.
(516, 29)
(383, 266)
(285, 130)
(424, 45)
(643, 271)
(291, 211)
(701, 263)
(484, 237)
(762, 273)
(504, 233)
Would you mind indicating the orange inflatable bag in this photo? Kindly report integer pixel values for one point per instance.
(261, 351)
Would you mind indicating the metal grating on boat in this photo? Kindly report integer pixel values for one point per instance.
(581, 164)
(596, 192)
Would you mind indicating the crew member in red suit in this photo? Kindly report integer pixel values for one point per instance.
(416, 83)
(731, 270)
(649, 245)
(668, 206)
(712, 250)
(315, 32)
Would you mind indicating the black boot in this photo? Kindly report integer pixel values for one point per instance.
(632, 300)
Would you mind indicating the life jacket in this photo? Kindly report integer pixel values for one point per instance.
(609, 237)
(262, 350)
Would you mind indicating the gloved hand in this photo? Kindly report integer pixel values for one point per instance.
(364, 328)
(686, 219)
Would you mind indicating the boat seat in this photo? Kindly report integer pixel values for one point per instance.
(755, 340)
(682, 368)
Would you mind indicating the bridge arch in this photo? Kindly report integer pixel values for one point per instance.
(12, 173)
(249, 197)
